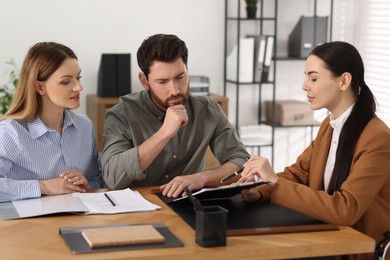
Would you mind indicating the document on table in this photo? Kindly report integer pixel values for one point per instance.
(122, 201)
(48, 205)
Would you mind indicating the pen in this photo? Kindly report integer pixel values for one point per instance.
(113, 204)
(193, 200)
(231, 175)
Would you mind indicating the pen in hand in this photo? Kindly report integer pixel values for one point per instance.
(231, 175)
(113, 204)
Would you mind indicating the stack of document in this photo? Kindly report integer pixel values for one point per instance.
(199, 85)
(111, 202)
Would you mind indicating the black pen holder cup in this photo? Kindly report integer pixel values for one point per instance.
(210, 226)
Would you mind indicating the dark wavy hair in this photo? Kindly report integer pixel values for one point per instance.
(340, 57)
(160, 47)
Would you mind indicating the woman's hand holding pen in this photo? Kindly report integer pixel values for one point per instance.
(259, 166)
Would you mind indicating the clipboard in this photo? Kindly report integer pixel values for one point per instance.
(220, 192)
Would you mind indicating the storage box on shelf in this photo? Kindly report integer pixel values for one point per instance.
(289, 113)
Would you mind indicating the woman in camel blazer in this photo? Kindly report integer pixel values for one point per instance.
(343, 177)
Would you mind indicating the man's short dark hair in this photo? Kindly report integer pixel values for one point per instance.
(161, 47)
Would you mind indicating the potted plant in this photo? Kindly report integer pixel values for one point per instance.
(251, 8)
(7, 90)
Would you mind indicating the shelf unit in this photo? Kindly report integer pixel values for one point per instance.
(266, 22)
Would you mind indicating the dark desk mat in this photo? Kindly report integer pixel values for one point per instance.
(246, 218)
(77, 244)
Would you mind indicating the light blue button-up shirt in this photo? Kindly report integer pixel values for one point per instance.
(29, 151)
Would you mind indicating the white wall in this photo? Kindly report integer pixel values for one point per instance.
(92, 27)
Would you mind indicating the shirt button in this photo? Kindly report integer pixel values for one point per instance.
(174, 156)
(166, 176)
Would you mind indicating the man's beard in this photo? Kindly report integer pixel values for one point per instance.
(164, 104)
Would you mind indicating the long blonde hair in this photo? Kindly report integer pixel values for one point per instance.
(41, 61)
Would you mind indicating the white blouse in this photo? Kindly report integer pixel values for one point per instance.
(337, 125)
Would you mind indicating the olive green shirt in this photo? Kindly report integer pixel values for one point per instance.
(136, 118)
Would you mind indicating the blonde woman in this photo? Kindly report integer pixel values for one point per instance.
(45, 148)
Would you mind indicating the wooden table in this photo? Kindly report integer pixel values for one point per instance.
(39, 238)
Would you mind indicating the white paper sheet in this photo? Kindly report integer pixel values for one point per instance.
(125, 200)
(49, 205)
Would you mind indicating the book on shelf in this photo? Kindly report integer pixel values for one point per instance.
(309, 32)
(259, 53)
(262, 62)
(269, 50)
(241, 70)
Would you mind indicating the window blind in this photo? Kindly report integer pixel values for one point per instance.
(374, 45)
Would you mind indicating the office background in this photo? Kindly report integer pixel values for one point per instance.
(93, 27)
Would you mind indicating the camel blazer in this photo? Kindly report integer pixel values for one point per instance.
(364, 200)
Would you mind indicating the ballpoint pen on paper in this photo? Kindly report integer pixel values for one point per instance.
(231, 175)
(113, 204)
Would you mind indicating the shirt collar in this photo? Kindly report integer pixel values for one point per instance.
(37, 128)
(69, 118)
(339, 122)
